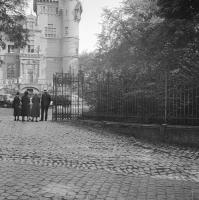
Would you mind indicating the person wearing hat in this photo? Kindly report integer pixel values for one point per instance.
(45, 103)
(17, 107)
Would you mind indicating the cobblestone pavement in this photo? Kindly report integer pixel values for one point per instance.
(48, 160)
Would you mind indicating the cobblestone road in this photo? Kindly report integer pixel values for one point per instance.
(48, 160)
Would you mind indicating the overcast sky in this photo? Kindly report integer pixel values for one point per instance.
(90, 23)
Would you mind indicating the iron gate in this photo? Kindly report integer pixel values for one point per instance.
(67, 96)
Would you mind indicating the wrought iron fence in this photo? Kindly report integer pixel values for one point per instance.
(67, 96)
(110, 97)
(183, 105)
(107, 96)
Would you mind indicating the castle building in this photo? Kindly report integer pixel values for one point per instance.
(53, 46)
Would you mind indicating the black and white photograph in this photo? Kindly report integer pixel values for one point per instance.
(99, 99)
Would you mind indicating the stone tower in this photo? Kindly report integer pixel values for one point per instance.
(58, 22)
(71, 14)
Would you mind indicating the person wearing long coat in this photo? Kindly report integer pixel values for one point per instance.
(45, 103)
(17, 107)
(35, 112)
(25, 106)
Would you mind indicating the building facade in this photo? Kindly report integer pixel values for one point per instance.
(53, 46)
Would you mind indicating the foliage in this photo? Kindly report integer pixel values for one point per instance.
(142, 39)
(87, 61)
(178, 9)
(145, 44)
(174, 41)
(12, 18)
(119, 44)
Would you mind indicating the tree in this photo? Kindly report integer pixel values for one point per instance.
(120, 44)
(87, 61)
(178, 9)
(143, 38)
(12, 18)
(150, 47)
(174, 42)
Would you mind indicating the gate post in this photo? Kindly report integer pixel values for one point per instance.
(55, 97)
(166, 96)
(81, 86)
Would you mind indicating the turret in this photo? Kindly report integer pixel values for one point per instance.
(50, 24)
(58, 21)
(71, 14)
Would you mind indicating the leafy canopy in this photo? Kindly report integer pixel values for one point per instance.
(144, 38)
(178, 9)
(12, 18)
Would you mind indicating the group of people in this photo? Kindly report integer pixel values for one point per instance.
(30, 108)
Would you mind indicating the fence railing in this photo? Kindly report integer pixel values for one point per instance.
(183, 105)
(113, 98)
(67, 93)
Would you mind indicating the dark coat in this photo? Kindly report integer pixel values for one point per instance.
(45, 100)
(17, 106)
(35, 112)
(25, 105)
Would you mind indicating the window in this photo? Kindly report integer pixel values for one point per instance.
(51, 10)
(37, 50)
(11, 71)
(30, 48)
(50, 25)
(66, 30)
(11, 49)
(57, 10)
(50, 31)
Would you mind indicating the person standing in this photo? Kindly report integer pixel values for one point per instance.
(45, 103)
(17, 106)
(25, 106)
(35, 112)
(29, 107)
